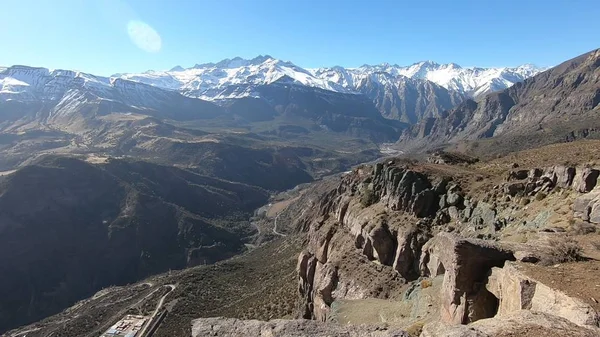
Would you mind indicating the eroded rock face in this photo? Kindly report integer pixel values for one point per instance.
(465, 264)
(586, 179)
(516, 291)
(344, 214)
(587, 206)
(325, 282)
(392, 232)
(404, 189)
(305, 268)
(410, 243)
(232, 327)
(529, 183)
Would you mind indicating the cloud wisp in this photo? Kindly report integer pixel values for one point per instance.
(144, 36)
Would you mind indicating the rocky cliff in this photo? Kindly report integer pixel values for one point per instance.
(390, 230)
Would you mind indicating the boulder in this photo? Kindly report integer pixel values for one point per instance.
(585, 180)
(483, 215)
(561, 176)
(453, 213)
(442, 202)
(587, 206)
(514, 189)
(518, 175)
(424, 202)
(535, 173)
(383, 244)
(465, 264)
(454, 196)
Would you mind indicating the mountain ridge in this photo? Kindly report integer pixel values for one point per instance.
(556, 105)
(475, 80)
(409, 94)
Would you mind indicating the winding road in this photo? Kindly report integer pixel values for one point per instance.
(275, 226)
(142, 332)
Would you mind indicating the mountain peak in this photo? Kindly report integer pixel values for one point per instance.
(209, 79)
(235, 62)
(261, 59)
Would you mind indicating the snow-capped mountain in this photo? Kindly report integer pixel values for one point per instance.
(213, 81)
(421, 90)
(25, 84)
(28, 83)
(409, 93)
(72, 101)
(472, 82)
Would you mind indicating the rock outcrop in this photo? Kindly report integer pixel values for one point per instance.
(385, 213)
(465, 264)
(516, 291)
(587, 206)
(524, 182)
(400, 223)
(450, 158)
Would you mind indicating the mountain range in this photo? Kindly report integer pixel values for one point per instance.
(142, 115)
(210, 80)
(558, 105)
(217, 81)
(423, 89)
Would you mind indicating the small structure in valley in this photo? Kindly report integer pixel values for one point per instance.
(128, 326)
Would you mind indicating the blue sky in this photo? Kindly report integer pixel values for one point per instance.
(92, 35)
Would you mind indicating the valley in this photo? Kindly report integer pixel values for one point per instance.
(246, 196)
(377, 255)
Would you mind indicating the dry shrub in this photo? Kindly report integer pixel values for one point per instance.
(368, 198)
(415, 329)
(565, 250)
(426, 284)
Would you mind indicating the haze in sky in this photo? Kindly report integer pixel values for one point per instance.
(109, 36)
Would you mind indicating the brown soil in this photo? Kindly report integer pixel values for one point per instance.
(574, 153)
(537, 331)
(279, 206)
(576, 279)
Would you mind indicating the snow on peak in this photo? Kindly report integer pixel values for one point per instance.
(469, 81)
(213, 80)
(24, 83)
